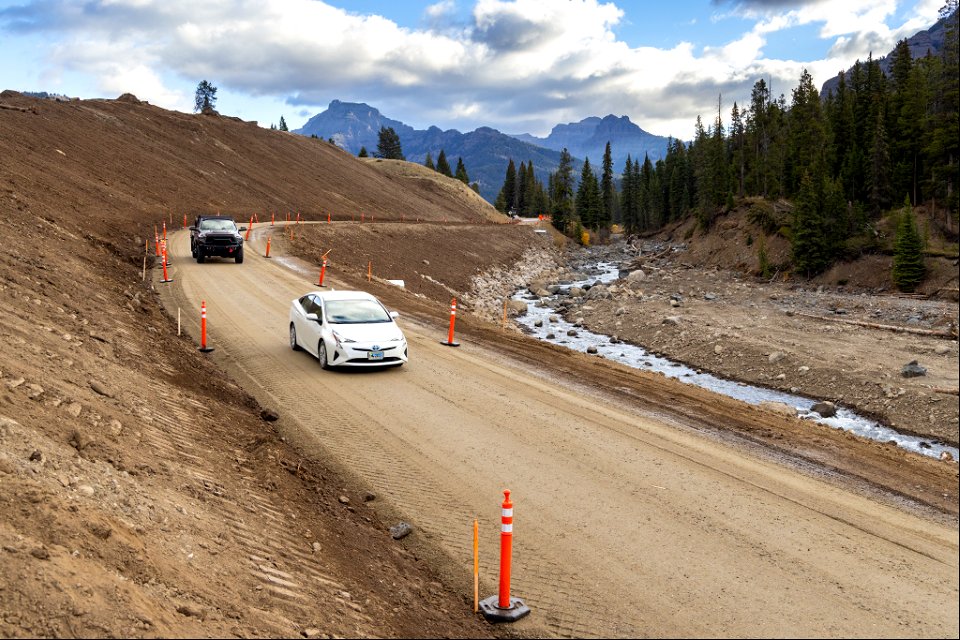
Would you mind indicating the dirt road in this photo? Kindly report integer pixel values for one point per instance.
(625, 524)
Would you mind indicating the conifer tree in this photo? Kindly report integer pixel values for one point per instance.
(588, 201)
(520, 197)
(908, 267)
(461, 174)
(283, 125)
(363, 153)
(205, 96)
(561, 192)
(607, 192)
(428, 163)
(442, 165)
(510, 187)
(388, 145)
(808, 241)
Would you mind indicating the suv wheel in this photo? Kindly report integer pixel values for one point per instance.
(200, 257)
(239, 256)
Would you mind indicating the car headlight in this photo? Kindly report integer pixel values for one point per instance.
(340, 339)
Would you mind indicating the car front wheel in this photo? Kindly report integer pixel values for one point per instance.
(293, 338)
(322, 354)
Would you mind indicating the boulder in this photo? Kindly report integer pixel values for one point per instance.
(516, 307)
(912, 370)
(779, 407)
(825, 409)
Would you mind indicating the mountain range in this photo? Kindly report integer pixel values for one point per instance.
(486, 152)
(930, 40)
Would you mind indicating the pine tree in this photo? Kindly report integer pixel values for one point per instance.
(510, 187)
(363, 153)
(442, 165)
(283, 125)
(461, 174)
(808, 241)
(561, 192)
(205, 96)
(428, 163)
(908, 267)
(607, 193)
(520, 198)
(588, 200)
(388, 145)
(627, 202)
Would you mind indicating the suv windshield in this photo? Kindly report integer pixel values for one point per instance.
(217, 225)
(356, 311)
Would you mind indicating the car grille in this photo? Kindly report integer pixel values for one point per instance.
(385, 359)
(220, 241)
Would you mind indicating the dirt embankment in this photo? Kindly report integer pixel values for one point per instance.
(142, 493)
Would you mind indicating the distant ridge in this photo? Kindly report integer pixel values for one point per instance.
(930, 40)
(486, 151)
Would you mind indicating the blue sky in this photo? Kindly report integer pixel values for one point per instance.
(520, 66)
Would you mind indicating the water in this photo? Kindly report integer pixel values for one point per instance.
(638, 357)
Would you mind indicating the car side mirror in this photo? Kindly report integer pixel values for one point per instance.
(192, 228)
(314, 317)
(242, 229)
(394, 314)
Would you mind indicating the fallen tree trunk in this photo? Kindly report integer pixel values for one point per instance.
(951, 333)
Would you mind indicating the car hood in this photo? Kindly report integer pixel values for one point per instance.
(372, 332)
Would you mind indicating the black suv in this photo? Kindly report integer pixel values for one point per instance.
(216, 236)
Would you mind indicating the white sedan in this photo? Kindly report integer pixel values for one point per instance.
(346, 328)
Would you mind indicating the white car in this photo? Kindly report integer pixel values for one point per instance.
(346, 328)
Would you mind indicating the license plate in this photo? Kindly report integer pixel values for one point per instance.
(375, 355)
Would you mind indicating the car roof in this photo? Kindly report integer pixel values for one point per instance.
(344, 295)
(215, 218)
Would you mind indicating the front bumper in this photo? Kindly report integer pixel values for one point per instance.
(357, 354)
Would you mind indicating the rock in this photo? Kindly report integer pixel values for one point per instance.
(516, 307)
(190, 611)
(775, 357)
(620, 311)
(36, 456)
(74, 409)
(781, 376)
(369, 497)
(100, 388)
(637, 276)
(572, 333)
(551, 336)
(592, 349)
(553, 319)
(401, 530)
(825, 409)
(40, 553)
(946, 456)
(709, 296)
(426, 262)
(79, 440)
(778, 407)
(344, 500)
(941, 350)
(311, 633)
(128, 97)
(542, 293)
(674, 303)
(34, 391)
(316, 547)
(538, 323)
(86, 490)
(718, 349)
(576, 292)
(912, 370)
(115, 427)
(671, 320)
(803, 369)
(269, 415)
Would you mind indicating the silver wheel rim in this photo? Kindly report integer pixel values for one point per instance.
(293, 336)
(322, 352)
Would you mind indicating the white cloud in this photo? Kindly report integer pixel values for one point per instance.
(522, 63)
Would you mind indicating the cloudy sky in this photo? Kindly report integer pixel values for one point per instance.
(520, 66)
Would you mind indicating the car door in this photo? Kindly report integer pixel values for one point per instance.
(312, 328)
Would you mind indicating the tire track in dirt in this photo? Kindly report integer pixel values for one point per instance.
(625, 526)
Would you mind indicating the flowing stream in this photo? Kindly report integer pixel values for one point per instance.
(640, 358)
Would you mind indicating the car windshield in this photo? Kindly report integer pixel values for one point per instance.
(217, 225)
(356, 311)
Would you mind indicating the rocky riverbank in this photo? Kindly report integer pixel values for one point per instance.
(888, 357)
